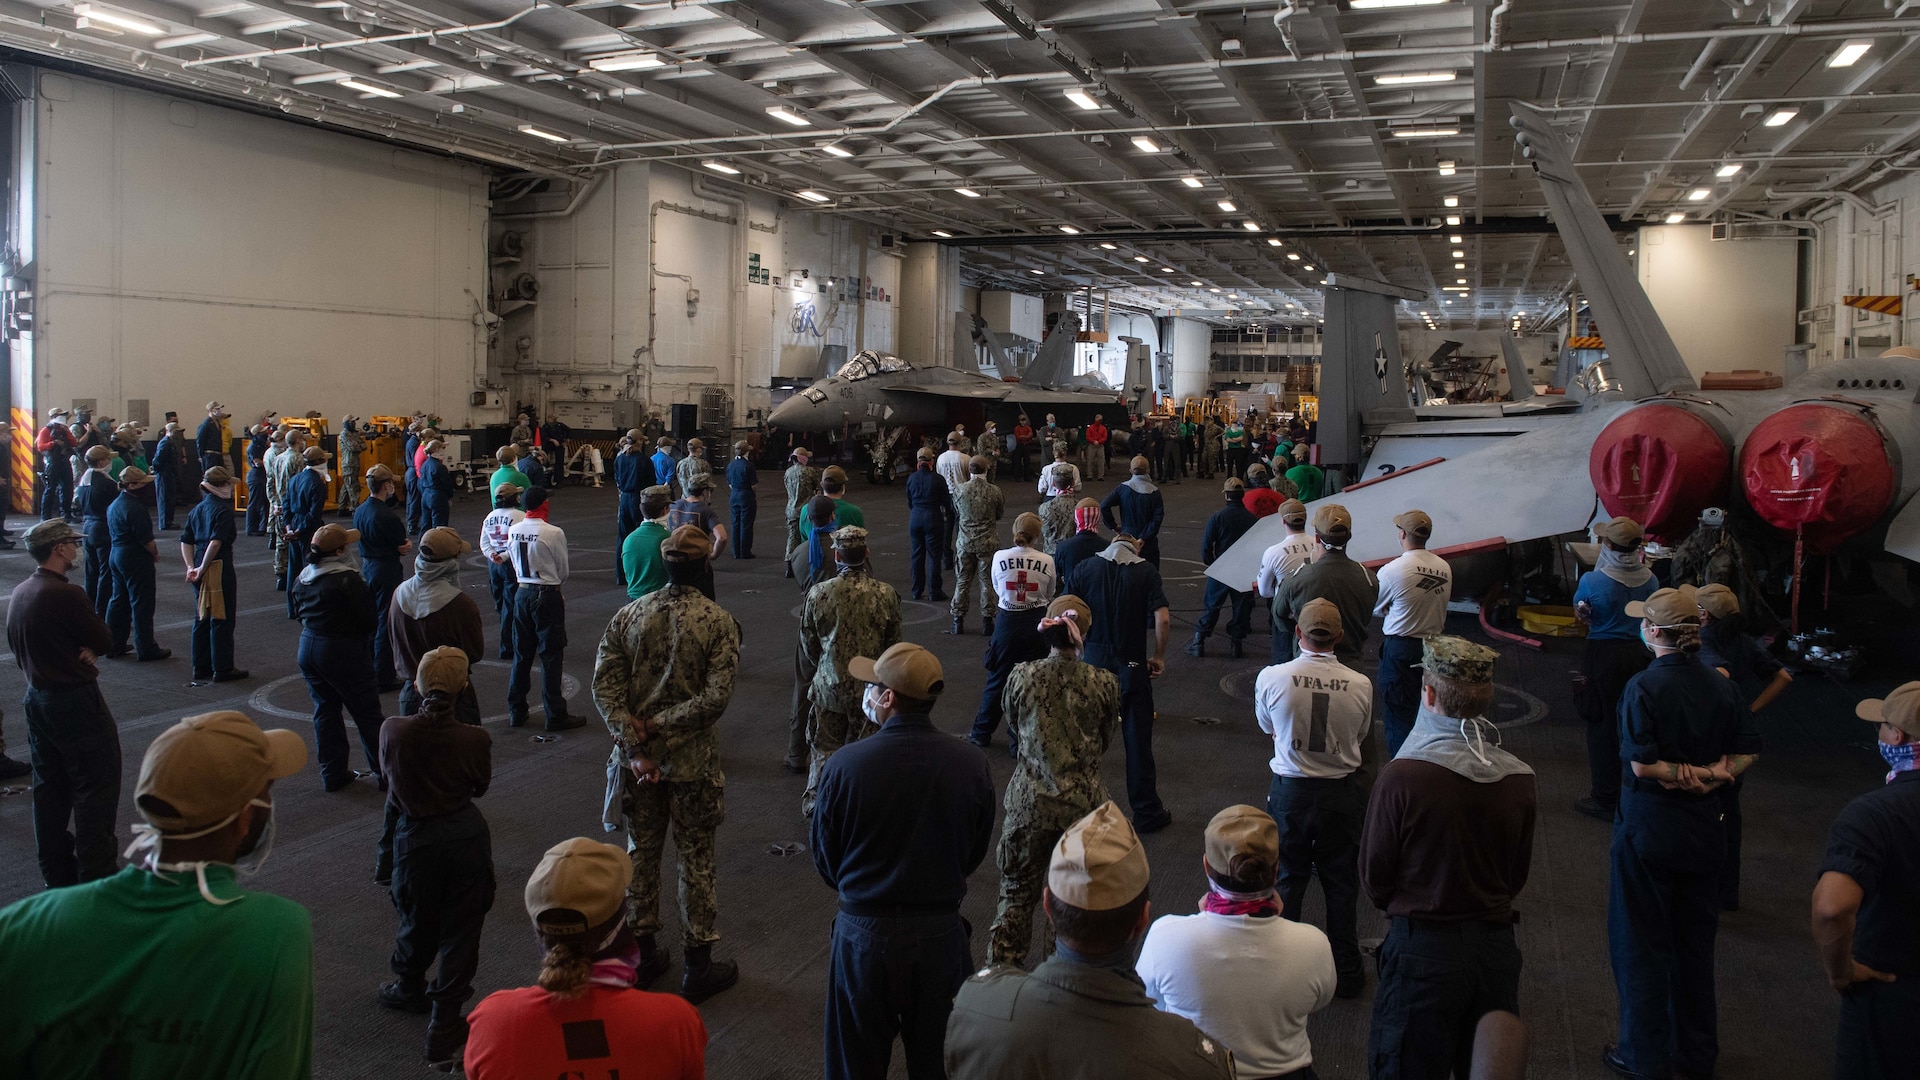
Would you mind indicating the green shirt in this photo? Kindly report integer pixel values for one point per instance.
(1309, 479)
(1236, 436)
(844, 514)
(507, 474)
(640, 556)
(138, 977)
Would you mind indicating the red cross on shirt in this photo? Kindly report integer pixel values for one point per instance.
(1019, 587)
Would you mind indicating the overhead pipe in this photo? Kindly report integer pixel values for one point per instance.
(373, 39)
(580, 193)
(1496, 21)
(1700, 63)
(737, 289)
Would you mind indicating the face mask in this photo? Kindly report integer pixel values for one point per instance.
(1899, 758)
(870, 705)
(1645, 640)
(145, 852)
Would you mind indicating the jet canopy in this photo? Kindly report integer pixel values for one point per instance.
(867, 363)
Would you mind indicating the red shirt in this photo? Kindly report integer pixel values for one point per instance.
(530, 1034)
(1262, 501)
(1023, 433)
(1096, 433)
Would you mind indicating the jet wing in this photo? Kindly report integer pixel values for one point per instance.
(1034, 396)
(1903, 533)
(1526, 487)
(983, 391)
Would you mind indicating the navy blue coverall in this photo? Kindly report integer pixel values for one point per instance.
(92, 500)
(1124, 600)
(166, 471)
(131, 609)
(632, 475)
(381, 534)
(1139, 516)
(209, 522)
(745, 504)
(304, 509)
(436, 493)
(1227, 525)
(928, 498)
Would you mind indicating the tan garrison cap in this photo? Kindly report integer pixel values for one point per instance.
(1320, 620)
(1241, 830)
(686, 543)
(905, 668)
(1717, 601)
(1900, 708)
(1294, 510)
(1333, 520)
(1098, 865)
(205, 769)
(1457, 658)
(1082, 615)
(442, 543)
(580, 884)
(1621, 532)
(1415, 523)
(1666, 608)
(444, 669)
(850, 537)
(330, 538)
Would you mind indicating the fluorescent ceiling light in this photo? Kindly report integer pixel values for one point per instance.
(1459, 254)
(1675, 219)
(1083, 99)
(1698, 194)
(1293, 256)
(720, 167)
(273, 26)
(943, 234)
(1780, 117)
(1729, 169)
(1146, 145)
(1459, 281)
(1447, 168)
(1425, 132)
(968, 192)
(1849, 54)
(1309, 268)
(322, 77)
(1213, 290)
(1455, 239)
(1450, 201)
(87, 14)
(1139, 258)
(1166, 269)
(1460, 266)
(1070, 230)
(1250, 226)
(529, 129)
(836, 150)
(367, 89)
(812, 196)
(1226, 206)
(1453, 219)
(185, 40)
(1191, 181)
(1196, 284)
(1109, 247)
(1273, 241)
(633, 61)
(781, 112)
(1377, 5)
(1415, 78)
(1036, 271)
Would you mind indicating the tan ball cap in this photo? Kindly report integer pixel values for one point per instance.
(1716, 600)
(1139, 464)
(441, 542)
(580, 884)
(1415, 523)
(685, 544)
(1333, 520)
(1294, 510)
(1667, 608)
(330, 538)
(1320, 620)
(444, 669)
(1241, 830)
(905, 668)
(1620, 532)
(206, 768)
(1900, 708)
(1098, 865)
(131, 477)
(218, 476)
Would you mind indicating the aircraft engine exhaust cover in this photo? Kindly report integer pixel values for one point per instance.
(1822, 467)
(1660, 464)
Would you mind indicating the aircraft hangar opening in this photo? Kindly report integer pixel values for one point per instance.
(954, 465)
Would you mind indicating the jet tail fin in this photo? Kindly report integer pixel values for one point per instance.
(1519, 383)
(1644, 358)
(1053, 364)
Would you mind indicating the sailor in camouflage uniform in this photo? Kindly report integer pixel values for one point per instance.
(803, 483)
(280, 473)
(351, 443)
(1056, 518)
(663, 676)
(977, 506)
(855, 614)
(1063, 712)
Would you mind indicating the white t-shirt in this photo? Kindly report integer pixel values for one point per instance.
(493, 531)
(952, 465)
(1050, 484)
(1023, 578)
(1318, 711)
(1413, 594)
(1282, 559)
(1249, 982)
(538, 552)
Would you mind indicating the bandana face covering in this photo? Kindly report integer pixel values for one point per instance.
(616, 969)
(1219, 901)
(1899, 758)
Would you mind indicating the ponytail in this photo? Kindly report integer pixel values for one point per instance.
(565, 968)
(439, 704)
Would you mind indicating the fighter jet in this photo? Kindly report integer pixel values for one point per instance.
(1818, 463)
(881, 388)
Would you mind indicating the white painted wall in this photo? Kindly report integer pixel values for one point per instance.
(1864, 253)
(188, 252)
(1192, 355)
(929, 297)
(1728, 304)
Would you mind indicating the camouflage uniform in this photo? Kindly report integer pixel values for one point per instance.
(1063, 713)
(855, 614)
(690, 469)
(1056, 520)
(280, 472)
(1210, 448)
(977, 508)
(351, 443)
(803, 483)
(670, 656)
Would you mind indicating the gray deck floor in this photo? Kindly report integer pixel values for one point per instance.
(1777, 1016)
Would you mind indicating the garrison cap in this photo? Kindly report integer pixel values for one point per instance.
(1098, 863)
(1457, 658)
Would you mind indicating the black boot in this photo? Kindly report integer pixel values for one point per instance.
(654, 962)
(405, 997)
(1198, 646)
(1235, 650)
(959, 626)
(986, 626)
(446, 1037)
(704, 976)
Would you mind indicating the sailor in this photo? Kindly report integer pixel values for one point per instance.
(1334, 576)
(853, 614)
(436, 485)
(259, 442)
(538, 550)
(928, 504)
(281, 472)
(352, 442)
(167, 458)
(211, 439)
(1056, 518)
(1024, 584)
(336, 618)
(743, 503)
(501, 580)
(410, 471)
(802, 481)
(1414, 590)
(1097, 437)
(305, 512)
(646, 567)
(693, 467)
(1684, 734)
(133, 556)
(93, 495)
(977, 506)
(430, 612)
(1224, 529)
(1061, 475)
(1614, 652)
(1084, 543)
(55, 443)
(508, 472)
(383, 543)
(206, 547)
(663, 464)
(631, 475)
(1140, 509)
(1294, 551)
(955, 466)
(1128, 603)
(1725, 646)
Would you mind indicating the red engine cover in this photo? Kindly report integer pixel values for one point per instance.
(1819, 467)
(1660, 465)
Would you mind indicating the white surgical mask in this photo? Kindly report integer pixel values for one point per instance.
(870, 705)
(145, 852)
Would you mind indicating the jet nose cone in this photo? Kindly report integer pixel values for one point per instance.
(797, 413)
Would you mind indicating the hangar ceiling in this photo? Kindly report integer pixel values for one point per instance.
(1212, 156)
